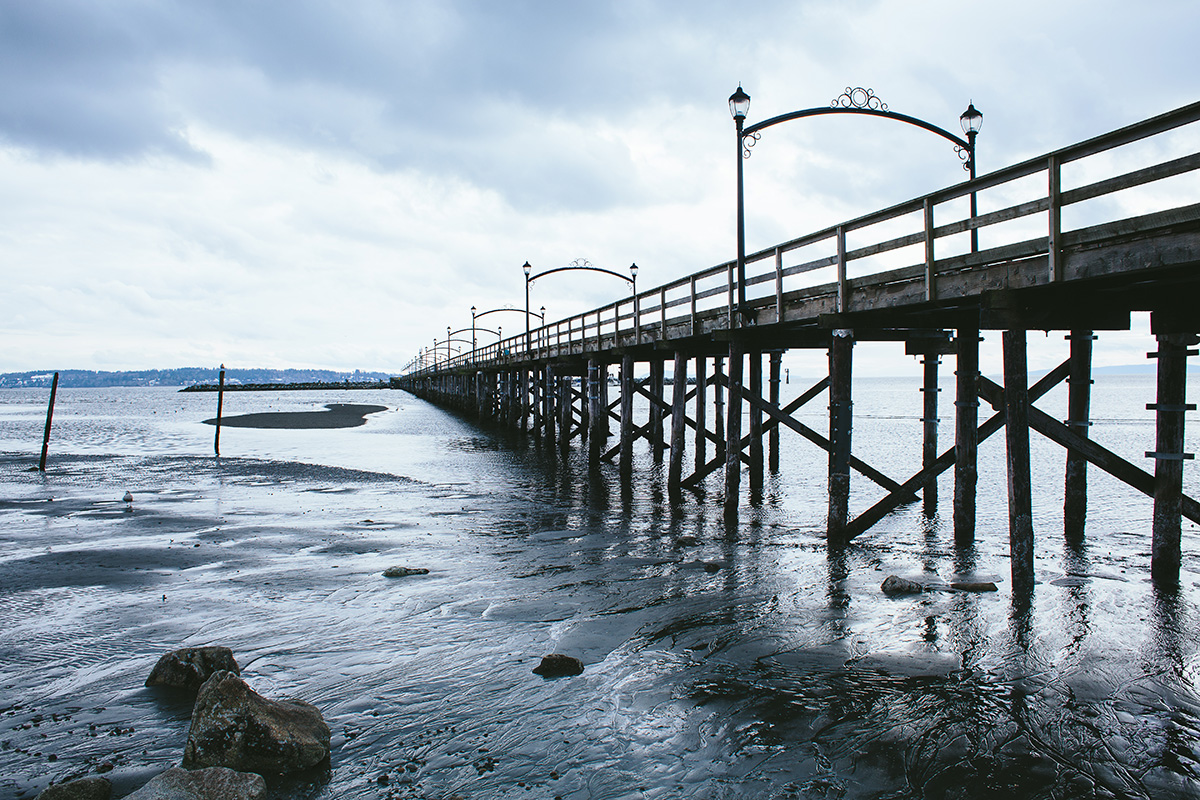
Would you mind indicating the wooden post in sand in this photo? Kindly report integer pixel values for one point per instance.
(49, 416)
(220, 401)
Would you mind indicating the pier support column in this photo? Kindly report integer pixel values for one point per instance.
(605, 423)
(596, 415)
(1169, 407)
(719, 405)
(548, 396)
(565, 410)
(1079, 398)
(626, 417)
(966, 437)
(773, 436)
(656, 410)
(733, 435)
(756, 427)
(678, 423)
(523, 412)
(701, 446)
(1020, 493)
(841, 353)
(929, 422)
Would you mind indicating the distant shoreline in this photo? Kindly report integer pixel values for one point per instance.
(284, 387)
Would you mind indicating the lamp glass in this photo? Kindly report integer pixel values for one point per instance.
(739, 103)
(971, 119)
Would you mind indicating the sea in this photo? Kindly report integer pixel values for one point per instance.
(747, 660)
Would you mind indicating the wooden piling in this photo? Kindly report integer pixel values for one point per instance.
(733, 435)
(841, 351)
(1169, 407)
(773, 435)
(678, 422)
(656, 410)
(756, 426)
(49, 418)
(719, 405)
(597, 415)
(701, 443)
(220, 404)
(929, 422)
(626, 416)
(605, 423)
(1079, 393)
(1020, 493)
(966, 441)
(565, 406)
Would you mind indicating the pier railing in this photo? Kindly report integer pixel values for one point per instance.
(835, 264)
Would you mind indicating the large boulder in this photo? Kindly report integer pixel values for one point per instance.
(93, 788)
(190, 667)
(235, 727)
(213, 783)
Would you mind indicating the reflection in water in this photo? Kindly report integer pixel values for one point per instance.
(722, 660)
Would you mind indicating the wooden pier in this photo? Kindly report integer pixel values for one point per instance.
(839, 286)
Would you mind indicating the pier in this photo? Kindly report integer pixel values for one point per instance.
(932, 272)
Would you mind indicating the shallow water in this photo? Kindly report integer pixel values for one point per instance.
(744, 662)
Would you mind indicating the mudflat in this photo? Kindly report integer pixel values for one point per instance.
(336, 415)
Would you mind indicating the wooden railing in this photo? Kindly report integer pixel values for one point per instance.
(704, 301)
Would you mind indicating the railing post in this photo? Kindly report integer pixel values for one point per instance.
(930, 277)
(778, 284)
(731, 310)
(842, 287)
(692, 322)
(1054, 244)
(662, 307)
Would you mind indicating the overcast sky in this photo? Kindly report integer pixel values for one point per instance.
(330, 184)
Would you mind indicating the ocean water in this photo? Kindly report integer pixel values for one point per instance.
(721, 662)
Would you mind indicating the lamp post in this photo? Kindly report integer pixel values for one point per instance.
(971, 121)
(852, 101)
(527, 269)
(739, 105)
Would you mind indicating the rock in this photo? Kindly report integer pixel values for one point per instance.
(235, 727)
(190, 667)
(404, 572)
(556, 665)
(82, 789)
(213, 783)
(974, 586)
(895, 585)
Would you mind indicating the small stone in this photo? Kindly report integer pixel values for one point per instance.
(974, 586)
(190, 667)
(893, 585)
(82, 789)
(404, 572)
(557, 665)
(213, 783)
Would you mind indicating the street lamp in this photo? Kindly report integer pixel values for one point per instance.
(527, 269)
(852, 101)
(739, 105)
(971, 121)
(577, 264)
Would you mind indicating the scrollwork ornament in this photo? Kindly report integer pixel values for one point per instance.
(858, 97)
(581, 263)
(748, 141)
(965, 155)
